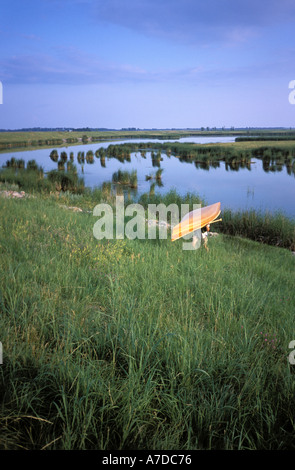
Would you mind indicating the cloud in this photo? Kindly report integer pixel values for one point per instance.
(196, 21)
(31, 37)
(66, 65)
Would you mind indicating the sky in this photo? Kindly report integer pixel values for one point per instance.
(146, 63)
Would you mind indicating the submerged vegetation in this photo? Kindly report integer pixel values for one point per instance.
(235, 156)
(211, 154)
(274, 158)
(126, 178)
(157, 176)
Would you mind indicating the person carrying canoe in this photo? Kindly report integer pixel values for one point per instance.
(205, 235)
(195, 220)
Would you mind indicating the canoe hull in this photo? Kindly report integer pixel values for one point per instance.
(195, 220)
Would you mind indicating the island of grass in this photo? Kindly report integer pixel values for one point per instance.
(274, 155)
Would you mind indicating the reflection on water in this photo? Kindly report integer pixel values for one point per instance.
(266, 184)
(236, 184)
(157, 158)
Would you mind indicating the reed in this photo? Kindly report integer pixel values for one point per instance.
(66, 181)
(71, 167)
(90, 157)
(273, 229)
(54, 156)
(125, 178)
(158, 175)
(235, 155)
(63, 156)
(81, 158)
(61, 165)
(133, 179)
(15, 163)
(32, 178)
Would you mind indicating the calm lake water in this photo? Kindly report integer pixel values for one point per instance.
(242, 189)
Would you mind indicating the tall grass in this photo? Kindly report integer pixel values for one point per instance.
(273, 229)
(138, 344)
(125, 178)
(32, 177)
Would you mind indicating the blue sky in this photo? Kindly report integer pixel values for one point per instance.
(146, 63)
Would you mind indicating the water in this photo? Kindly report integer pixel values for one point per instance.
(238, 190)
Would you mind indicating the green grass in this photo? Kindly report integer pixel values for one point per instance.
(272, 229)
(33, 139)
(139, 344)
(128, 178)
(31, 177)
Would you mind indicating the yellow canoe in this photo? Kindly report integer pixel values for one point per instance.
(195, 220)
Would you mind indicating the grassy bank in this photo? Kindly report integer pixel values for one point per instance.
(272, 229)
(34, 139)
(140, 344)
